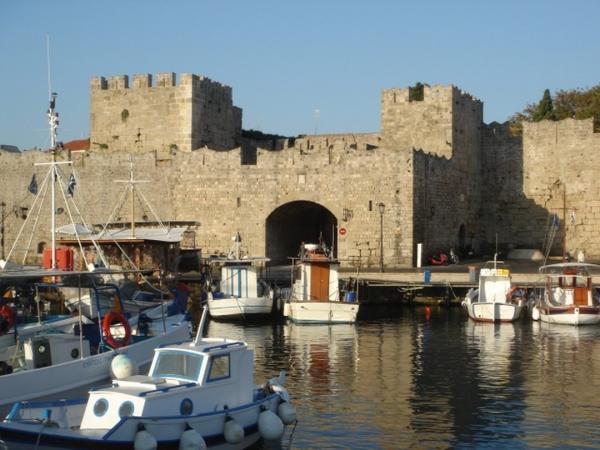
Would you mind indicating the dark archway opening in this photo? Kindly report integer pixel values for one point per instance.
(296, 222)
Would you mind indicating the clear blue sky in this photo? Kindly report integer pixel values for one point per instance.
(286, 59)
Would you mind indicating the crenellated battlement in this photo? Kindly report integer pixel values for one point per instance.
(430, 94)
(159, 80)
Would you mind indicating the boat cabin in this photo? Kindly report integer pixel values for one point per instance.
(571, 287)
(240, 278)
(183, 380)
(494, 284)
(315, 276)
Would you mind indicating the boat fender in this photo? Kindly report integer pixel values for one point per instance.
(191, 440)
(3, 446)
(270, 425)
(233, 431)
(122, 366)
(286, 412)
(144, 440)
(535, 313)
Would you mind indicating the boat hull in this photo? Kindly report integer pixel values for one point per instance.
(239, 308)
(57, 378)
(166, 430)
(583, 315)
(493, 311)
(321, 312)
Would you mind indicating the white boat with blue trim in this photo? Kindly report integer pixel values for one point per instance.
(53, 362)
(241, 293)
(315, 293)
(197, 394)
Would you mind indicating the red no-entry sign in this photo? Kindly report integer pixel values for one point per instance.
(343, 231)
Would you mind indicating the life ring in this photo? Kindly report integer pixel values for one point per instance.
(8, 315)
(111, 318)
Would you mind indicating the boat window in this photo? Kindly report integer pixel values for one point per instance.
(219, 368)
(186, 407)
(582, 282)
(100, 407)
(179, 365)
(126, 409)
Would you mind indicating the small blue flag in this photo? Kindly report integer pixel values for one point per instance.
(71, 185)
(33, 187)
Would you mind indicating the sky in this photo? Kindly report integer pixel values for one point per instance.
(287, 60)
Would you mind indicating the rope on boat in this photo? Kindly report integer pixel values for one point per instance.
(291, 438)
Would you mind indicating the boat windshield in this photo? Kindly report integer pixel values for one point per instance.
(180, 365)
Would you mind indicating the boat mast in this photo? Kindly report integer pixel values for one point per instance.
(132, 182)
(53, 121)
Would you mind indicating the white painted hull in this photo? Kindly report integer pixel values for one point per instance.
(166, 430)
(44, 381)
(321, 312)
(493, 311)
(574, 317)
(239, 308)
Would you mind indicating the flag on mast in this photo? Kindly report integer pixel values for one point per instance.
(71, 185)
(33, 187)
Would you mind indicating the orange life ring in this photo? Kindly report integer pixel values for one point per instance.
(9, 316)
(112, 318)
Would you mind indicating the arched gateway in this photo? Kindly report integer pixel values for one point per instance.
(295, 222)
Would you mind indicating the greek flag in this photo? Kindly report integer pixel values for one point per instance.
(33, 187)
(71, 185)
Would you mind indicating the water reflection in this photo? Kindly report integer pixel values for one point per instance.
(433, 381)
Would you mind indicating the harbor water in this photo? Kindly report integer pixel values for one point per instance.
(432, 379)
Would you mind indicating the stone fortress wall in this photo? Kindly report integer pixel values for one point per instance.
(446, 178)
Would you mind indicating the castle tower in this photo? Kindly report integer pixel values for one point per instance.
(165, 116)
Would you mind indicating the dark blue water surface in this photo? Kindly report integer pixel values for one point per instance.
(410, 380)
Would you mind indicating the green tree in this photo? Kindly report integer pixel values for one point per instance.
(570, 103)
(544, 109)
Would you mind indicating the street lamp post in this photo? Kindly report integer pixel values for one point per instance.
(381, 207)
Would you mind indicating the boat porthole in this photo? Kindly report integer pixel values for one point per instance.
(187, 407)
(100, 407)
(126, 409)
(75, 353)
(42, 349)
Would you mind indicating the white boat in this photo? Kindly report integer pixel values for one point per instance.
(495, 299)
(197, 394)
(241, 294)
(315, 294)
(568, 296)
(55, 362)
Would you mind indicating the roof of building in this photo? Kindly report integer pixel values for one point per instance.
(77, 145)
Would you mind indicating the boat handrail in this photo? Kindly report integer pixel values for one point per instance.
(167, 389)
(223, 346)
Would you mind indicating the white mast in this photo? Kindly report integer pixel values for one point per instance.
(53, 120)
(132, 182)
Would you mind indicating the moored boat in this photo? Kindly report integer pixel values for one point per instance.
(197, 394)
(315, 294)
(495, 299)
(568, 296)
(241, 293)
(52, 362)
